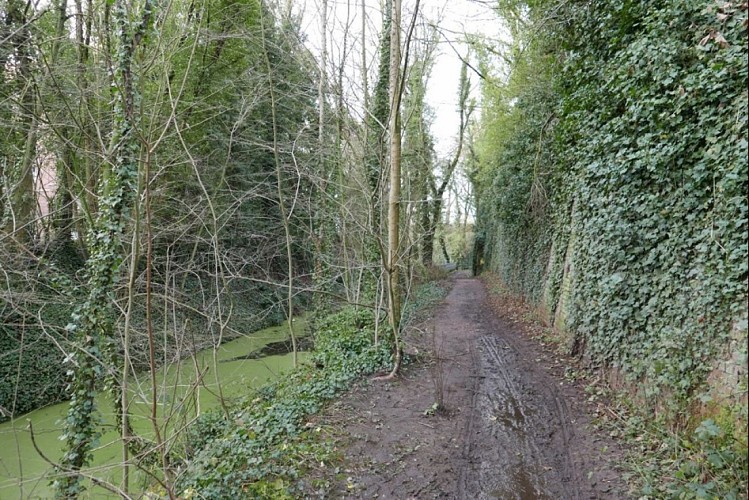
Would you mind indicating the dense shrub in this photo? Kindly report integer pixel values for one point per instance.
(30, 370)
(32, 337)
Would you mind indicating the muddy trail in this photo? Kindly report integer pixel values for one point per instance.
(511, 428)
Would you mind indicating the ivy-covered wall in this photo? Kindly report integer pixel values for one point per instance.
(33, 340)
(613, 187)
(30, 372)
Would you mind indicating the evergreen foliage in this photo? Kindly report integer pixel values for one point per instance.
(377, 120)
(254, 453)
(613, 189)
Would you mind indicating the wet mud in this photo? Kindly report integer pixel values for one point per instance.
(511, 429)
(519, 432)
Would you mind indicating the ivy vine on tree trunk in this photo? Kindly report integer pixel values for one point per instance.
(92, 322)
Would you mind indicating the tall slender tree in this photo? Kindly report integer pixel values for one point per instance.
(418, 150)
(380, 102)
(20, 86)
(93, 322)
(437, 191)
(392, 266)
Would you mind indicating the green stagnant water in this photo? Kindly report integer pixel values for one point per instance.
(25, 474)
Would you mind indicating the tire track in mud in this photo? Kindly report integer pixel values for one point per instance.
(512, 427)
(519, 429)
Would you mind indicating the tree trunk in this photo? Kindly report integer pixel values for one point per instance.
(21, 196)
(394, 297)
(445, 254)
(92, 322)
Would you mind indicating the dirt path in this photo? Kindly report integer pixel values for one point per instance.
(511, 428)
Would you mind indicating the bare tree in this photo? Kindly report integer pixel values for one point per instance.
(434, 214)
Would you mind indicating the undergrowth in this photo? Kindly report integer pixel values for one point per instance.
(269, 443)
(425, 295)
(265, 445)
(704, 457)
